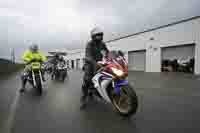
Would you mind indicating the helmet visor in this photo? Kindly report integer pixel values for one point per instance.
(34, 48)
(98, 37)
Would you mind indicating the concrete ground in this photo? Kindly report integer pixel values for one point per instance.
(168, 103)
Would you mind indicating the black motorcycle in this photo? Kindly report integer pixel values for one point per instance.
(60, 72)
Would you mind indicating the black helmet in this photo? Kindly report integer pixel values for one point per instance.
(57, 55)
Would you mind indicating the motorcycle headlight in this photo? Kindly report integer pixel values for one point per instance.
(117, 71)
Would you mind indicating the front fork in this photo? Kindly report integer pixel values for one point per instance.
(34, 82)
(41, 77)
(33, 75)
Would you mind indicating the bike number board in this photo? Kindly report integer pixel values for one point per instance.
(35, 65)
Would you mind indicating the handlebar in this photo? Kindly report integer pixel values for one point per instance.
(101, 62)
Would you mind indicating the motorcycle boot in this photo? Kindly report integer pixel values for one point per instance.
(85, 94)
(23, 84)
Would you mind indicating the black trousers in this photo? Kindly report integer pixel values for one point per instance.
(89, 70)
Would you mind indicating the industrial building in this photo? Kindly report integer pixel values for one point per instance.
(146, 51)
(75, 58)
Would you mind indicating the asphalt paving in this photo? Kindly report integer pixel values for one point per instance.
(168, 103)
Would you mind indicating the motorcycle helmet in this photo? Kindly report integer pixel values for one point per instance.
(97, 34)
(61, 58)
(34, 48)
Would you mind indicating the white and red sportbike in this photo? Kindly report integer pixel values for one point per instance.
(111, 84)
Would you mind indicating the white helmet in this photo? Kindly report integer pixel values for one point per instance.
(34, 47)
(96, 31)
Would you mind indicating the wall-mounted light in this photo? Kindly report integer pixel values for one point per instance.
(155, 49)
(150, 47)
(152, 38)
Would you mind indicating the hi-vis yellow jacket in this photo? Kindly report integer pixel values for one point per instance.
(28, 56)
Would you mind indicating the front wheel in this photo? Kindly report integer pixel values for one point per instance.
(57, 76)
(38, 84)
(126, 103)
(64, 74)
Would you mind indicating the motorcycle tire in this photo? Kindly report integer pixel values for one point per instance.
(57, 76)
(133, 104)
(63, 77)
(38, 84)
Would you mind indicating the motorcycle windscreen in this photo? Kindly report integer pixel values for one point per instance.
(35, 65)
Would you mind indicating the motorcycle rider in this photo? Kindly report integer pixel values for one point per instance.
(31, 55)
(57, 59)
(93, 54)
(61, 59)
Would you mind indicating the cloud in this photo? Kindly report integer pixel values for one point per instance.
(67, 23)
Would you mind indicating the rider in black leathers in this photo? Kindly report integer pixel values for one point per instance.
(93, 53)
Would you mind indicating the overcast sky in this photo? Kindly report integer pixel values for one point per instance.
(57, 24)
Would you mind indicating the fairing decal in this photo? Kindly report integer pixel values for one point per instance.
(118, 84)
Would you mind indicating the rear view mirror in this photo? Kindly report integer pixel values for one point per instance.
(121, 53)
(103, 52)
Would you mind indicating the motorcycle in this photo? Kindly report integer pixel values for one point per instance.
(60, 71)
(35, 79)
(48, 68)
(111, 84)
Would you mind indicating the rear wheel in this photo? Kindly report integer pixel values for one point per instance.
(57, 76)
(126, 103)
(38, 84)
(63, 76)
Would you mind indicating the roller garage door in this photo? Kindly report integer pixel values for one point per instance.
(136, 60)
(180, 53)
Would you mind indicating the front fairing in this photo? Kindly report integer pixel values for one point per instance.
(117, 85)
(107, 75)
(35, 65)
(101, 82)
(118, 67)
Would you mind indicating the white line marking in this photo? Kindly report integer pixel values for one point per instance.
(12, 112)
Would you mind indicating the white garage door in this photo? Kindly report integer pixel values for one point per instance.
(178, 52)
(136, 60)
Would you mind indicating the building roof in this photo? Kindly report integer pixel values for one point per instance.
(171, 24)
